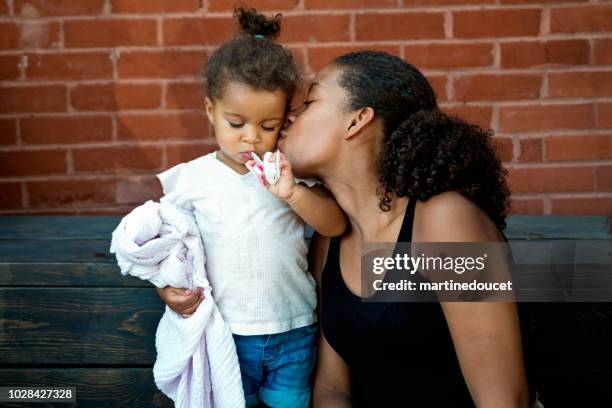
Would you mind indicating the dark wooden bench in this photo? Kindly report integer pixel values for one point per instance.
(69, 318)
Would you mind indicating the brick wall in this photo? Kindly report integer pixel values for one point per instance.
(99, 95)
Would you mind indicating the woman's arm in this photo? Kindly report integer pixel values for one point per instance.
(332, 387)
(486, 335)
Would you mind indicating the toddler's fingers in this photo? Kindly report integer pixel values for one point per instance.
(191, 309)
(180, 291)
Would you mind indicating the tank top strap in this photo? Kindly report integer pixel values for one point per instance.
(405, 234)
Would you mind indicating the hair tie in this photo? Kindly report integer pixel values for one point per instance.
(259, 36)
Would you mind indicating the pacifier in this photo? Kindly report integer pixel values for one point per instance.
(266, 168)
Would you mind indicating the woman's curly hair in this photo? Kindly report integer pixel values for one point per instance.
(423, 151)
(253, 58)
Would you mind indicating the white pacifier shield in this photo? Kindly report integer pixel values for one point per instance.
(271, 169)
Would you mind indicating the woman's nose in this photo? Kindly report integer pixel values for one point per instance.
(290, 119)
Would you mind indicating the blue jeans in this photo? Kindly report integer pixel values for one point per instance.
(277, 368)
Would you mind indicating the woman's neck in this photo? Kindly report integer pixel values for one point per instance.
(355, 190)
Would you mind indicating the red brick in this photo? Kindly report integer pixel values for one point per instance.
(11, 196)
(37, 8)
(188, 125)
(48, 98)
(496, 23)
(580, 84)
(65, 129)
(449, 55)
(299, 55)
(497, 87)
(9, 67)
(116, 96)
(445, 2)
(582, 206)
(545, 117)
(184, 152)
(438, 83)
(117, 159)
(8, 131)
(32, 163)
(110, 33)
(531, 206)
(137, 190)
(604, 115)
(315, 28)
(591, 18)
(399, 26)
(70, 193)
(531, 150)
(576, 147)
(524, 54)
(228, 5)
(80, 65)
(550, 179)
(603, 178)
(347, 4)
(503, 147)
(602, 51)
(540, 1)
(160, 64)
(155, 6)
(480, 115)
(9, 35)
(198, 31)
(39, 34)
(185, 95)
(318, 57)
(4, 10)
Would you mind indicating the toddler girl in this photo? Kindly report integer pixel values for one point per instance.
(254, 240)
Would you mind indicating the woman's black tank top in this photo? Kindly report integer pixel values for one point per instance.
(400, 354)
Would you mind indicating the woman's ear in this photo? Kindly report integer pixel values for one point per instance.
(359, 119)
(209, 109)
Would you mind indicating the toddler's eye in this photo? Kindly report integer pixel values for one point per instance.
(268, 129)
(235, 125)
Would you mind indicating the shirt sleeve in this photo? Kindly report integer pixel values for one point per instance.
(310, 182)
(173, 178)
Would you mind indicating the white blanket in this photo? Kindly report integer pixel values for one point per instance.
(197, 364)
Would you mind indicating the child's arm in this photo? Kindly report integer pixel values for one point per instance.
(316, 206)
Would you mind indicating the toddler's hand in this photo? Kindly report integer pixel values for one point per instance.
(285, 186)
(181, 300)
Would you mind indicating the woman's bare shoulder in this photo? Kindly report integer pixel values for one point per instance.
(452, 217)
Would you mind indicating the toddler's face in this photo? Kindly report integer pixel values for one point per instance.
(246, 120)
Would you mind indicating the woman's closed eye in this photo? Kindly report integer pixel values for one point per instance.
(301, 108)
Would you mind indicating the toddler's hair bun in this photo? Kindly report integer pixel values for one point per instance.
(256, 24)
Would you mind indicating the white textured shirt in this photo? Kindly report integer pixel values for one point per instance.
(254, 245)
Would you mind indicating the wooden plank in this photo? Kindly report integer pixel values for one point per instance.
(529, 227)
(93, 326)
(67, 274)
(65, 251)
(66, 262)
(100, 227)
(95, 387)
(57, 226)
